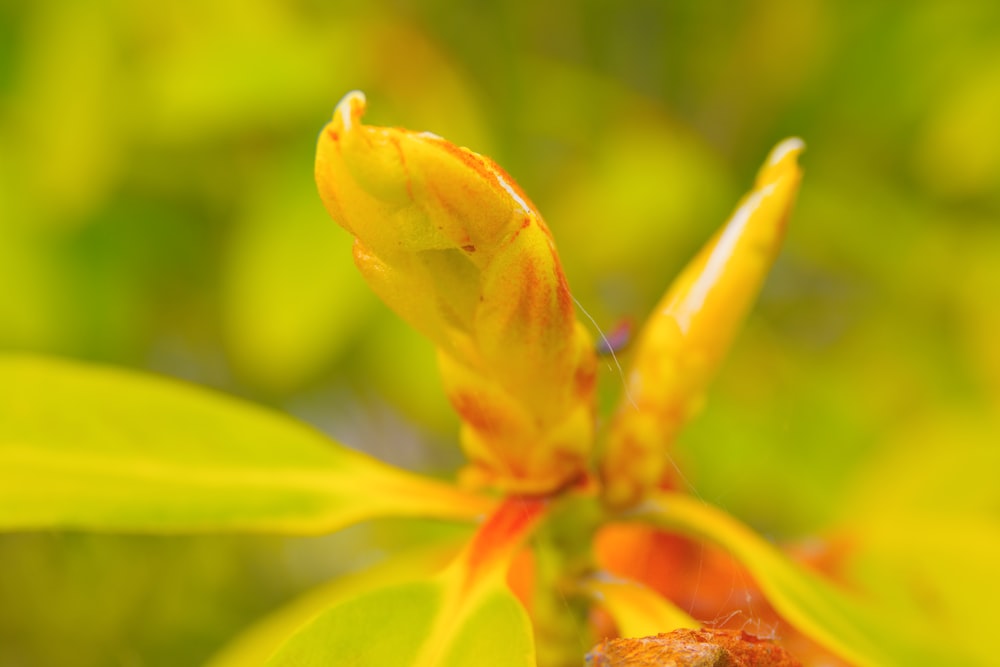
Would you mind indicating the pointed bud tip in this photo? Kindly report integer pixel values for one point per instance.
(782, 159)
(350, 109)
(789, 148)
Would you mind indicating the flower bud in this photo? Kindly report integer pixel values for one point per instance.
(447, 239)
(689, 332)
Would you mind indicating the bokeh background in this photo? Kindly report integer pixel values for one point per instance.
(157, 211)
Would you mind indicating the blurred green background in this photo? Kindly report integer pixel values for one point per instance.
(157, 211)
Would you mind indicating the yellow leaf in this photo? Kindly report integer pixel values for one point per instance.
(841, 622)
(637, 611)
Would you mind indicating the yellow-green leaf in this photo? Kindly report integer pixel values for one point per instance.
(842, 623)
(395, 627)
(465, 616)
(254, 646)
(96, 448)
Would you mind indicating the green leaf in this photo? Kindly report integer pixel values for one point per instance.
(86, 447)
(465, 616)
(254, 646)
(831, 617)
(495, 633)
(417, 624)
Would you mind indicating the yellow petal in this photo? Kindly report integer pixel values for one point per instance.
(691, 329)
(636, 610)
(446, 238)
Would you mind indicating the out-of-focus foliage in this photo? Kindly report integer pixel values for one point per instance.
(157, 210)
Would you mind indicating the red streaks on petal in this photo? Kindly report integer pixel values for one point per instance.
(529, 277)
(585, 380)
(499, 172)
(487, 169)
(525, 223)
(477, 163)
(478, 413)
(563, 295)
(471, 160)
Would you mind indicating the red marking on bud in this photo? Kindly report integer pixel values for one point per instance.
(488, 170)
(529, 278)
(478, 413)
(524, 225)
(586, 379)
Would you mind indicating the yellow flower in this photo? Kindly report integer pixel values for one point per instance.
(447, 239)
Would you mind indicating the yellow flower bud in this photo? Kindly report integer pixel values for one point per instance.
(685, 339)
(447, 239)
